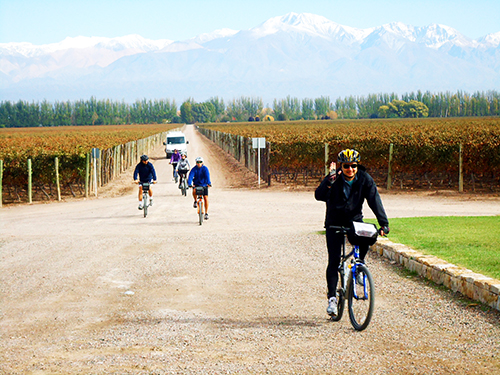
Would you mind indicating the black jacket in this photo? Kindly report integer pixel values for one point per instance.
(341, 211)
(146, 172)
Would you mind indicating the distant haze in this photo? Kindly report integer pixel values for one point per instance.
(302, 55)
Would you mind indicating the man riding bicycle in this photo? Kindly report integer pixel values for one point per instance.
(182, 168)
(174, 160)
(200, 176)
(146, 172)
(344, 192)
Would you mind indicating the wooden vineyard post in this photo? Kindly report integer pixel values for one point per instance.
(30, 196)
(460, 170)
(87, 175)
(58, 185)
(327, 154)
(389, 172)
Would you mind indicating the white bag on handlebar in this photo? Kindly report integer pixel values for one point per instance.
(365, 229)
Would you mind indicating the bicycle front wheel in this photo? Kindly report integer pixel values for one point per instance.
(200, 211)
(360, 297)
(146, 204)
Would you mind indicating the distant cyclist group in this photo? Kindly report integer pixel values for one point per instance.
(199, 176)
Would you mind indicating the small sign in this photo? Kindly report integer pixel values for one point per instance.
(259, 142)
(96, 153)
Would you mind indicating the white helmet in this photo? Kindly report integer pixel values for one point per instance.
(199, 158)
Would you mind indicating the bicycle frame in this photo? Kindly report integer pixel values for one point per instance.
(344, 267)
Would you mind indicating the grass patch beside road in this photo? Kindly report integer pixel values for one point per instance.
(467, 241)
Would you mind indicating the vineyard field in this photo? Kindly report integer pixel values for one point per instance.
(423, 149)
(70, 144)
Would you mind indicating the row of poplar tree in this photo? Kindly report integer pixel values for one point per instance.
(146, 111)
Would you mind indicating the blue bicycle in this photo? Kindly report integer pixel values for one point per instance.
(356, 285)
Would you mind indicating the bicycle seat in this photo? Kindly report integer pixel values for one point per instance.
(338, 229)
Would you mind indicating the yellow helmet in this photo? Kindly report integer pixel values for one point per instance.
(348, 156)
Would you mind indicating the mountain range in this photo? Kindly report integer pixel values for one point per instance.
(302, 55)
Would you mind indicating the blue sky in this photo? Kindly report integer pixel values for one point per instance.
(50, 21)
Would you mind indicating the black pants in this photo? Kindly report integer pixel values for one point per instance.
(334, 243)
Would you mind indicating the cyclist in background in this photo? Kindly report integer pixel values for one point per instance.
(200, 176)
(146, 173)
(174, 160)
(182, 168)
(344, 192)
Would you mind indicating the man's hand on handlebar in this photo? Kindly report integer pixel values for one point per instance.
(384, 231)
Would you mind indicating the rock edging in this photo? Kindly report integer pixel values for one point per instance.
(473, 285)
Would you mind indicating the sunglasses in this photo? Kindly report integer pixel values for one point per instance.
(199, 162)
(347, 166)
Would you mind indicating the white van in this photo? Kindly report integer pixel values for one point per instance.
(176, 140)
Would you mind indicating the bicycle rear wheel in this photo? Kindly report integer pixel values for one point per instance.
(340, 297)
(340, 305)
(361, 297)
(184, 187)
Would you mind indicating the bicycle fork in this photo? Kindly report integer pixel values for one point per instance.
(353, 266)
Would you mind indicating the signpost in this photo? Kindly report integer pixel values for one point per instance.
(258, 143)
(96, 153)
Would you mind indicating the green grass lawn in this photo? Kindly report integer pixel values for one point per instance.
(469, 241)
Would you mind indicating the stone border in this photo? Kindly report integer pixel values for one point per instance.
(473, 285)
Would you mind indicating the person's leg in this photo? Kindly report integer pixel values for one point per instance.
(140, 193)
(174, 173)
(194, 197)
(334, 243)
(363, 250)
(205, 198)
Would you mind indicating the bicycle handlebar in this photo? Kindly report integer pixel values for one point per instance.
(345, 230)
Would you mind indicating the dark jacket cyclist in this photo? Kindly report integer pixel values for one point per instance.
(200, 176)
(146, 173)
(344, 193)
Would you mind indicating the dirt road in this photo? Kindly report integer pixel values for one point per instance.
(93, 287)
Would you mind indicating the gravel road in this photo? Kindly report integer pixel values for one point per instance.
(92, 287)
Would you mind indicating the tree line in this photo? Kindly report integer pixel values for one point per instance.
(146, 111)
(87, 112)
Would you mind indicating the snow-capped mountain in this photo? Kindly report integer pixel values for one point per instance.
(302, 55)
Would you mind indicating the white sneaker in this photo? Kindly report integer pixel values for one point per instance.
(332, 306)
(141, 205)
(151, 201)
